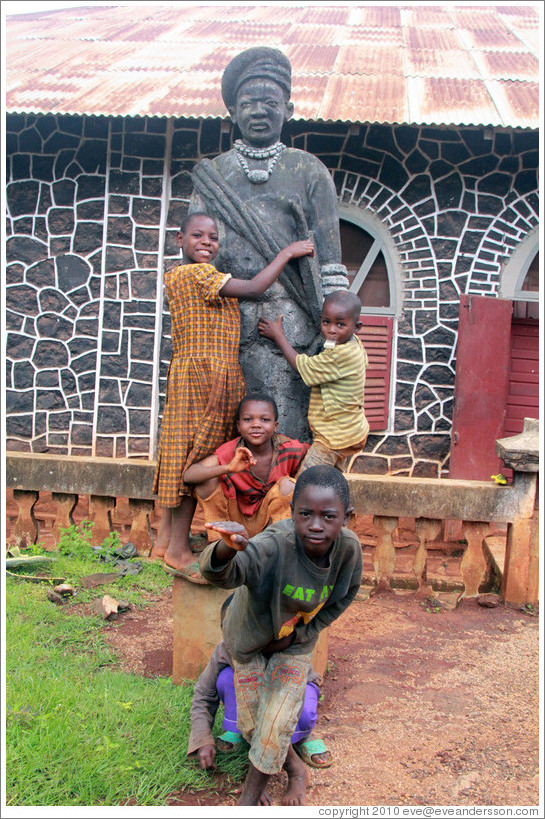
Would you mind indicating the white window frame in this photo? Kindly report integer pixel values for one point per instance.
(514, 273)
(382, 242)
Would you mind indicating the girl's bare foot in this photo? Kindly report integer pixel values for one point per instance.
(163, 535)
(180, 561)
(298, 779)
(178, 553)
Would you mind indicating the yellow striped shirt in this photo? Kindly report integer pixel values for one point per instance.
(337, 379)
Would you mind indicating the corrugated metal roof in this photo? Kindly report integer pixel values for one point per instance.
(444, 64)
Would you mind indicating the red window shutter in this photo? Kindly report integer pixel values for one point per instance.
(523, 396)
(376, 336)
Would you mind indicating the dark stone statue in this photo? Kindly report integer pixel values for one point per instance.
(263, 196)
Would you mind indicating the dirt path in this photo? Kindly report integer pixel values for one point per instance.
(421, 707)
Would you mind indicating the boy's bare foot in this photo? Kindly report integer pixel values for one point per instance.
(254, 787)
(264, 799)
(298, 779)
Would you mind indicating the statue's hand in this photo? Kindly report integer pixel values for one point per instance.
(270, 329)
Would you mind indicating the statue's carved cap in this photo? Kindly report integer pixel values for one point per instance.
(260, 62)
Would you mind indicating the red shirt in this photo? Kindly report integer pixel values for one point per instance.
(246, 487)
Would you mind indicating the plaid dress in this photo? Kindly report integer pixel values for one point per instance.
(205, 382)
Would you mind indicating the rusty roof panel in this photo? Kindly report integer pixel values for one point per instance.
(365, 99)
(330, 16)
(382, 16)
(461, 101)
(373, 60)
(363, 37)
(310, 59)
(145, 30)
(282, 14)
(506, 65)
(530, 38)
(517, 99)
(424, 16)
(390, 63)
(477, 19)
(527, 11)
(434, 39)
(214, 59)
(198, 56)
(54, 95)
(452, 63)
(71, 59)
(307, 93)
(190, 95)
(493, 38)
(317, 36)
(246, 33)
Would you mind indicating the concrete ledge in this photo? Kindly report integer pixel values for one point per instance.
(436, 498)
(521, 452)
(385, 495)
(73, 474)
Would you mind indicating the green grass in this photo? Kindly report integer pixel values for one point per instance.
(78, 731)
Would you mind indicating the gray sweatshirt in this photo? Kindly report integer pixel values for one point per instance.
(278, 589)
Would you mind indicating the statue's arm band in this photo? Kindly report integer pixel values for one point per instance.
(333, 278)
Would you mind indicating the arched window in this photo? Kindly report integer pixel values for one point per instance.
(520, 278)
(367, 252)
(369, 255)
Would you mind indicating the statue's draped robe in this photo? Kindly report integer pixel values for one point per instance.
(255, 222)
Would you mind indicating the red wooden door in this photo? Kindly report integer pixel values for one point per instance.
(480, 387)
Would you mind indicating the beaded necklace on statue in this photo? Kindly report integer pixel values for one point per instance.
(272, 154)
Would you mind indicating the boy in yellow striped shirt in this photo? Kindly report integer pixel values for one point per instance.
(336, 377)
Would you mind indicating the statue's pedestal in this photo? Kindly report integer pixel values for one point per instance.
(197, 631)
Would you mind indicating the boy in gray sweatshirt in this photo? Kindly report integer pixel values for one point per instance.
(292, 580)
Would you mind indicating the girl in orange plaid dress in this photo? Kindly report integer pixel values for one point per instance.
(205, 381)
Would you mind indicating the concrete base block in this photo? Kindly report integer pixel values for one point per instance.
(319, 655)
(196, 614)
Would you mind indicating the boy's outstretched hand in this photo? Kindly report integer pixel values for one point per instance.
(242, 459)
(233, 534)
(270, 329)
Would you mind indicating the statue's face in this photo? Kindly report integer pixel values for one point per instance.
(260, 112)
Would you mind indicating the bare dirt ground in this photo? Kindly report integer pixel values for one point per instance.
(421, 706)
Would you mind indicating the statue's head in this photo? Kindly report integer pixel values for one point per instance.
(256, 87)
